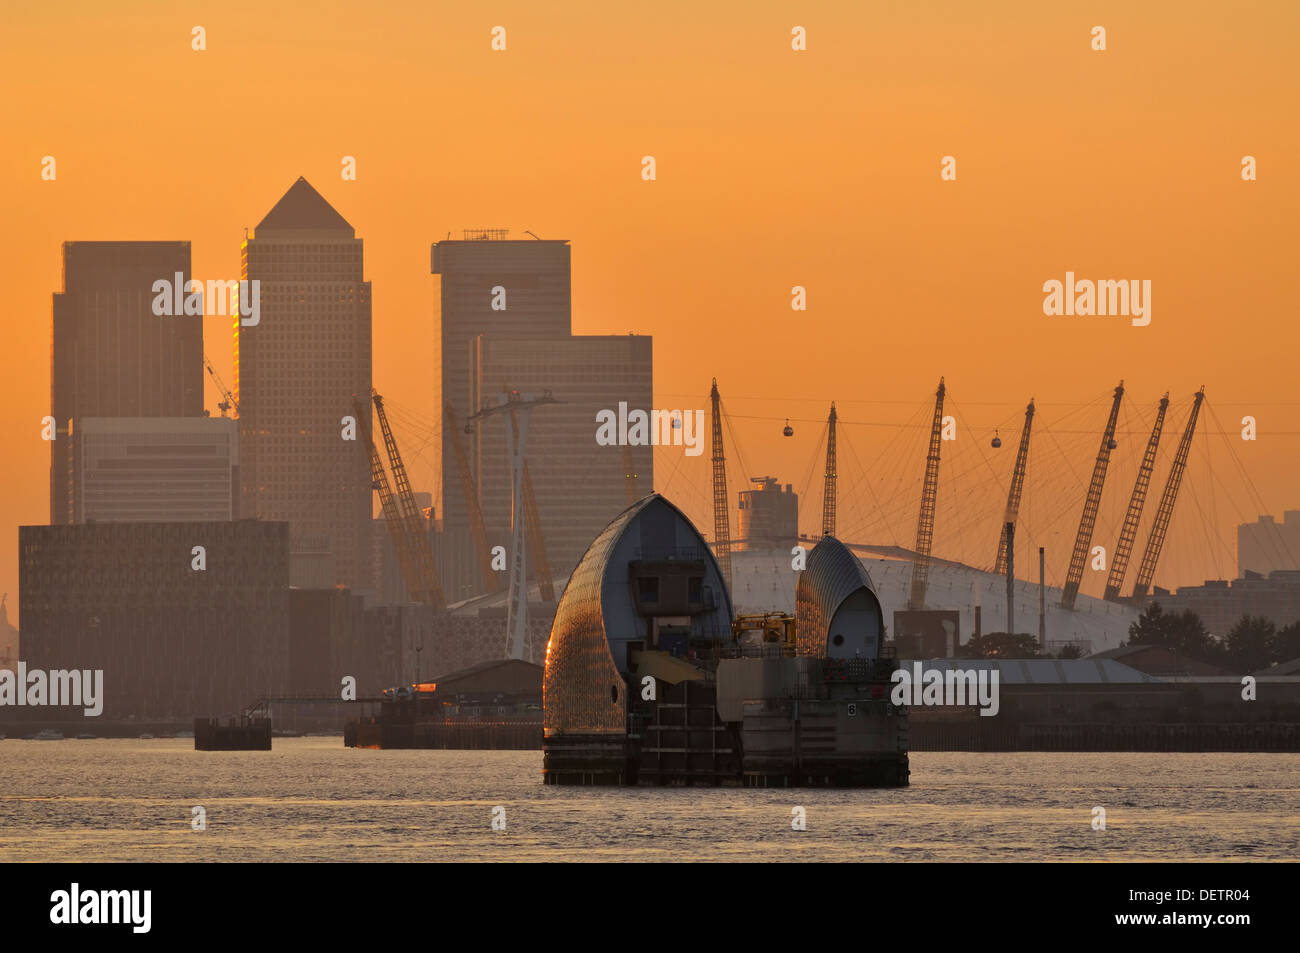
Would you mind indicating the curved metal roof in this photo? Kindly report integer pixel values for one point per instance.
(833, 574)
(583, 691)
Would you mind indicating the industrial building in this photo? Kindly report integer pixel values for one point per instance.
(334, 633)
(153, 469)
(174, 641)
(650, 679)
(602, 621)
(1221, 603)
(326, 627)
(1159, 661)
(1267, 545)
(296, 373)
(769, 516)
(1104, 704)
(111, 355)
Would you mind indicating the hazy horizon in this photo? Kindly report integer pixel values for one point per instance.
(775, 169)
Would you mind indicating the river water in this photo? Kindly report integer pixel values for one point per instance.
(313, 799)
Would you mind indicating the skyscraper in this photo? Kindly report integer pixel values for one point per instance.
(580, 486)
(500, 287)
(296, 372)
(111, 356)
(153, 469)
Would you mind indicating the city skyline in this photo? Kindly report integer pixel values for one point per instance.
(953, 274)
(648, 433)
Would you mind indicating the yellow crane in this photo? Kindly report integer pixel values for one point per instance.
(1012, 512)
(1088, 521)
(427, 588)
(379, 483)
(929, 496)
(227, 401)
(1165, 512)
(721, 516)
(1128, 533)
(828, 491)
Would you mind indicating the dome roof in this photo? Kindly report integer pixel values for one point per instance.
(583, 687)
(837, 613)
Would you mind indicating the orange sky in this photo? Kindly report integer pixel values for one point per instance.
(775, 168)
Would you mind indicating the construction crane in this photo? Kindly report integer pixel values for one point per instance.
(1128, 534)
(1087, 522)
(428, 588)
(533, 527)
(1147, 571)
(512, 402)
(491, 581)
(721, 522)
(227, 401)
(629, 477)
(392, 517)
(1017, 488)
(929, 495)
(828, 492)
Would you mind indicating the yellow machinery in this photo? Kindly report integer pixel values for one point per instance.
(777, 629)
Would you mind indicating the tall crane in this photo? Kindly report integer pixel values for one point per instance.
(929, 495)
(1087, 522)
(1128, 534)
(1147, 571)
(428, 588)
(533, 526)
(491, 581)
(629, 477)
(512, 402)
(721, 520)
(828, 493)
(392, 517)
(1017, 488)
(227, 401)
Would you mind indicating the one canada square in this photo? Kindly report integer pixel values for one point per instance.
(296, 374)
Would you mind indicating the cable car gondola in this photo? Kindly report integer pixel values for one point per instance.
(787, 431)
(997, 441)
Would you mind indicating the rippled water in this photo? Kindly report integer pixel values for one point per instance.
(314, 799)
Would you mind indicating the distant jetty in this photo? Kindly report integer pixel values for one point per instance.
(237, 734)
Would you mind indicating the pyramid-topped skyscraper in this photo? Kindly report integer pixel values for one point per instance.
(303, 209)
(296, 372)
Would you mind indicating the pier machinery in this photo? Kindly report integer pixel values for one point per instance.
(650, 679)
